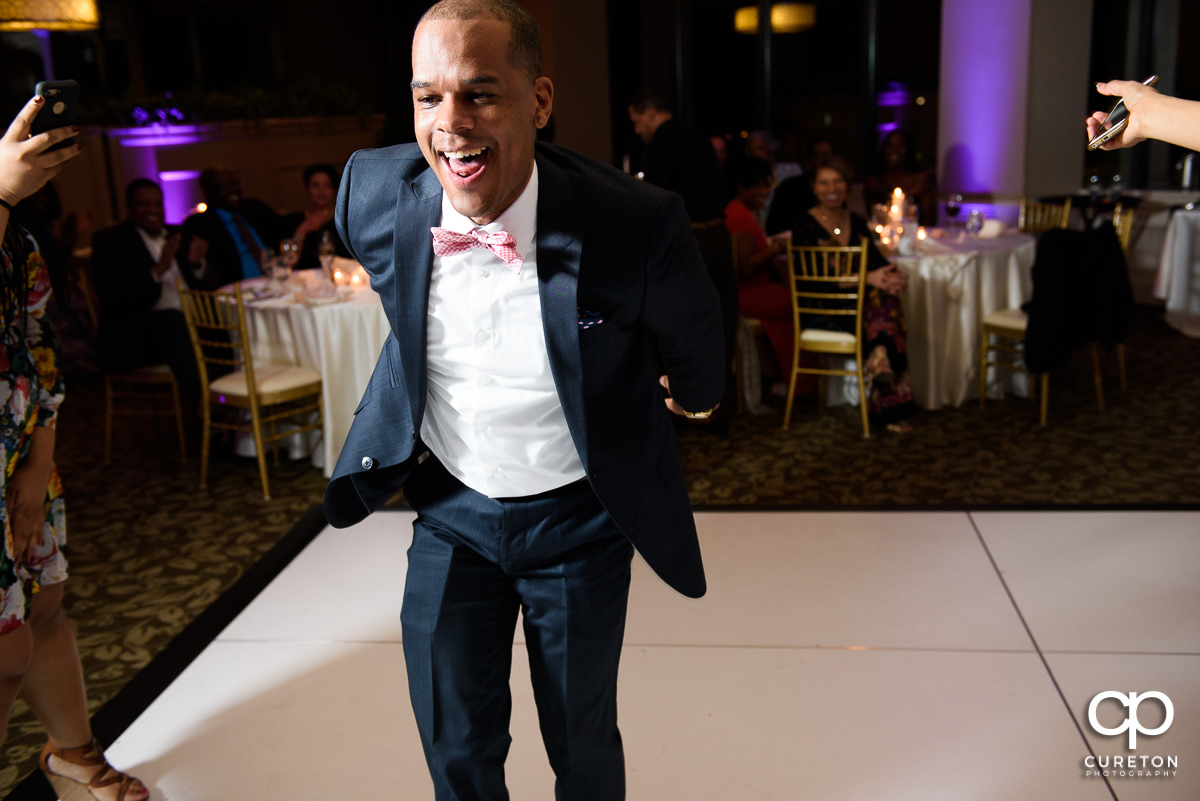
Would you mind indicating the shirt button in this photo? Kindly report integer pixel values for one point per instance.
(367, 463)
(481, 337)
(481, 426)
(484, 272)
(485, 380)
(490, 468)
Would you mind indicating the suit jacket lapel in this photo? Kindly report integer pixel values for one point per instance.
(414, 263)
(559, 247)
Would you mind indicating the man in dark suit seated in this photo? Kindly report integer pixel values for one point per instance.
(236, 230)
(135, 267)
(535, 298)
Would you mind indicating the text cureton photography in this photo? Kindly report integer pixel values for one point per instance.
(1130, 765)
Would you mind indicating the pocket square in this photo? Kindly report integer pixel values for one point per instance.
(589, 319)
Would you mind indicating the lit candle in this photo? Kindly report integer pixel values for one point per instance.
(338, 277)
(355, 278)
(921, 232)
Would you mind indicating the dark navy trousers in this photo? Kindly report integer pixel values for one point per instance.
(474, 562)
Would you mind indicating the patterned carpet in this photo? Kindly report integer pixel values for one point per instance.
(150, 552)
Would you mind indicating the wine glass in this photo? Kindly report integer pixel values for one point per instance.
(289, 253)
(325, 252)
(953, 207)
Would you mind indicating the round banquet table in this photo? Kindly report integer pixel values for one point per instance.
(339, 339)
(951, 286)
(1178, 280)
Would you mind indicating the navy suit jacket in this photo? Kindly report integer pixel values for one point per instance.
(224, 262)
(607, 244)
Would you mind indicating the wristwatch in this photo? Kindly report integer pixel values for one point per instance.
(700, 415)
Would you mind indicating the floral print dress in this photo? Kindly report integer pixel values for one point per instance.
(31, 390)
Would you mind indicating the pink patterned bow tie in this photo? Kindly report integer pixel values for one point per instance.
(502, 243)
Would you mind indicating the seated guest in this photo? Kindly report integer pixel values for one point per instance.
(237, 230)
(762, 293)
(885, 362)
(897, 166)
(306, 227)
(135, 269)
(763, 145)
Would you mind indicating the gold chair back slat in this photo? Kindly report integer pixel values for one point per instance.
(1034, 218)
(1122, 221)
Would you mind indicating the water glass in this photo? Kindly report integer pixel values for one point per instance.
(975, 222)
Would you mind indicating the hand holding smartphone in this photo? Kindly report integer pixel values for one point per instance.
(59, 110)
(1117, 119)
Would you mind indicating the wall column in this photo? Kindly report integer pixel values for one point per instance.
(1013, 96)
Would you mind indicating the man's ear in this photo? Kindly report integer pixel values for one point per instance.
(543, 96)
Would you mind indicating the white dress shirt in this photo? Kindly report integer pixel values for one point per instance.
(492, 413)
(169, 299)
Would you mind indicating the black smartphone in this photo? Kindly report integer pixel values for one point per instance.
(1117, 119)
(60, 109)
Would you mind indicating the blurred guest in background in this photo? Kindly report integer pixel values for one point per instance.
(720, 149)
(794, 196)
(897, 166)
(762, 293)
(39, 660)
(761, 144)
(885, 360)
(135, 271)
(677, 158)
(236, 230)
(307, 227)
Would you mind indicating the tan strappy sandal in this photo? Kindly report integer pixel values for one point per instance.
(88, 756)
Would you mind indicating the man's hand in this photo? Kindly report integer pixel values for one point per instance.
(197, 250)
(675, 408)
(170, 248)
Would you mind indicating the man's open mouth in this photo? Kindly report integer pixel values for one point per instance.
(465, 163)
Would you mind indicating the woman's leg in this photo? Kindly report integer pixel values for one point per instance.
(16, 648)
(54, 690)
(53, 685)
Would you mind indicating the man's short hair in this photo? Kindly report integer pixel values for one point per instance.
(210, 180)
(649, 100)
(525, 40)
(135, 185)
(752, 171)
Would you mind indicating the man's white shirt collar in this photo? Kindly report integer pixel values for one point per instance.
(519, 219)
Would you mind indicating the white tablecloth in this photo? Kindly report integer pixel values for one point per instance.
(951, 286)
(340, 340)
(1179, 272)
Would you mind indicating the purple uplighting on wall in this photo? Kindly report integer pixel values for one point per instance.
(181, 193)
(158, 134)
(984, 80)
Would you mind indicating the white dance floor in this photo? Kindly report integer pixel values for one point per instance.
(923, 656)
